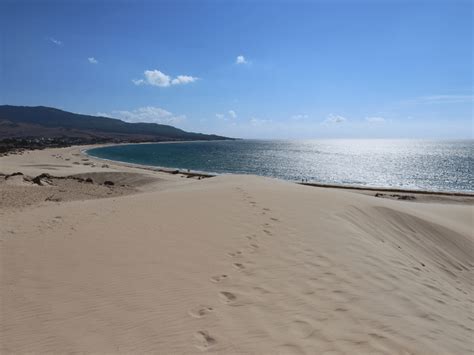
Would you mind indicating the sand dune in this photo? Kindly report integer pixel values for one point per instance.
(232, 264)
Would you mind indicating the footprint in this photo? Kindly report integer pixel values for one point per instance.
(239, 266)
(235, 255)
(267, 209)
(219, 278)
(301, 329)
(205, 340)
(274, 219)
(200, 311)
(228, 298)
(262, 290)
(267, 232)
(376, 336)
(254, 246)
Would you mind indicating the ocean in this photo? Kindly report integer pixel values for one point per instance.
(432, 165)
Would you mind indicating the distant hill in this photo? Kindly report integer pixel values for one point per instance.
(17, 122)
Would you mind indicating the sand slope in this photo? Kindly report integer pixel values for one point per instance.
(237, 264)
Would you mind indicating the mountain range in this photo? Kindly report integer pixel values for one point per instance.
(47, 123)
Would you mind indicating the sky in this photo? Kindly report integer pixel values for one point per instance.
(249, 69)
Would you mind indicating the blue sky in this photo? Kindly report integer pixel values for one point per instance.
(254, 69)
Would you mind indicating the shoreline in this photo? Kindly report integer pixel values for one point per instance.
(388, 189)
(206, 174)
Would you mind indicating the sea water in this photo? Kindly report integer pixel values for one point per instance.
(437, 165)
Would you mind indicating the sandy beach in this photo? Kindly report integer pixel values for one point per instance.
(118, 259)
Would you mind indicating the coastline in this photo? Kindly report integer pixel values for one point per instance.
(361, 188)
(163, 262)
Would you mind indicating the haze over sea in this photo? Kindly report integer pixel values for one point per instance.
(434, 165)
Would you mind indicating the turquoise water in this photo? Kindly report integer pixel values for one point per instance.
(409, 164)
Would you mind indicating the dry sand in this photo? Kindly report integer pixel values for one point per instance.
(231, 264)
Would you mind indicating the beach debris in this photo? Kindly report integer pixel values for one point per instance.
(109, 183)
(396, 196)
(14, 174)
(17, 179)
(43, 179)
(53, 199)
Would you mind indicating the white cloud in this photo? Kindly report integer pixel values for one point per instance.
(375, 119)
(447, 98)
(158, 78)
(138, 81)
(92, 60)
(148, 114)
(334, 119)
(231, 114)
(183, 79)
(55, 41)
(241, 60)
(299, 117)
(441, 99)
(103, 114)
(259, 122)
